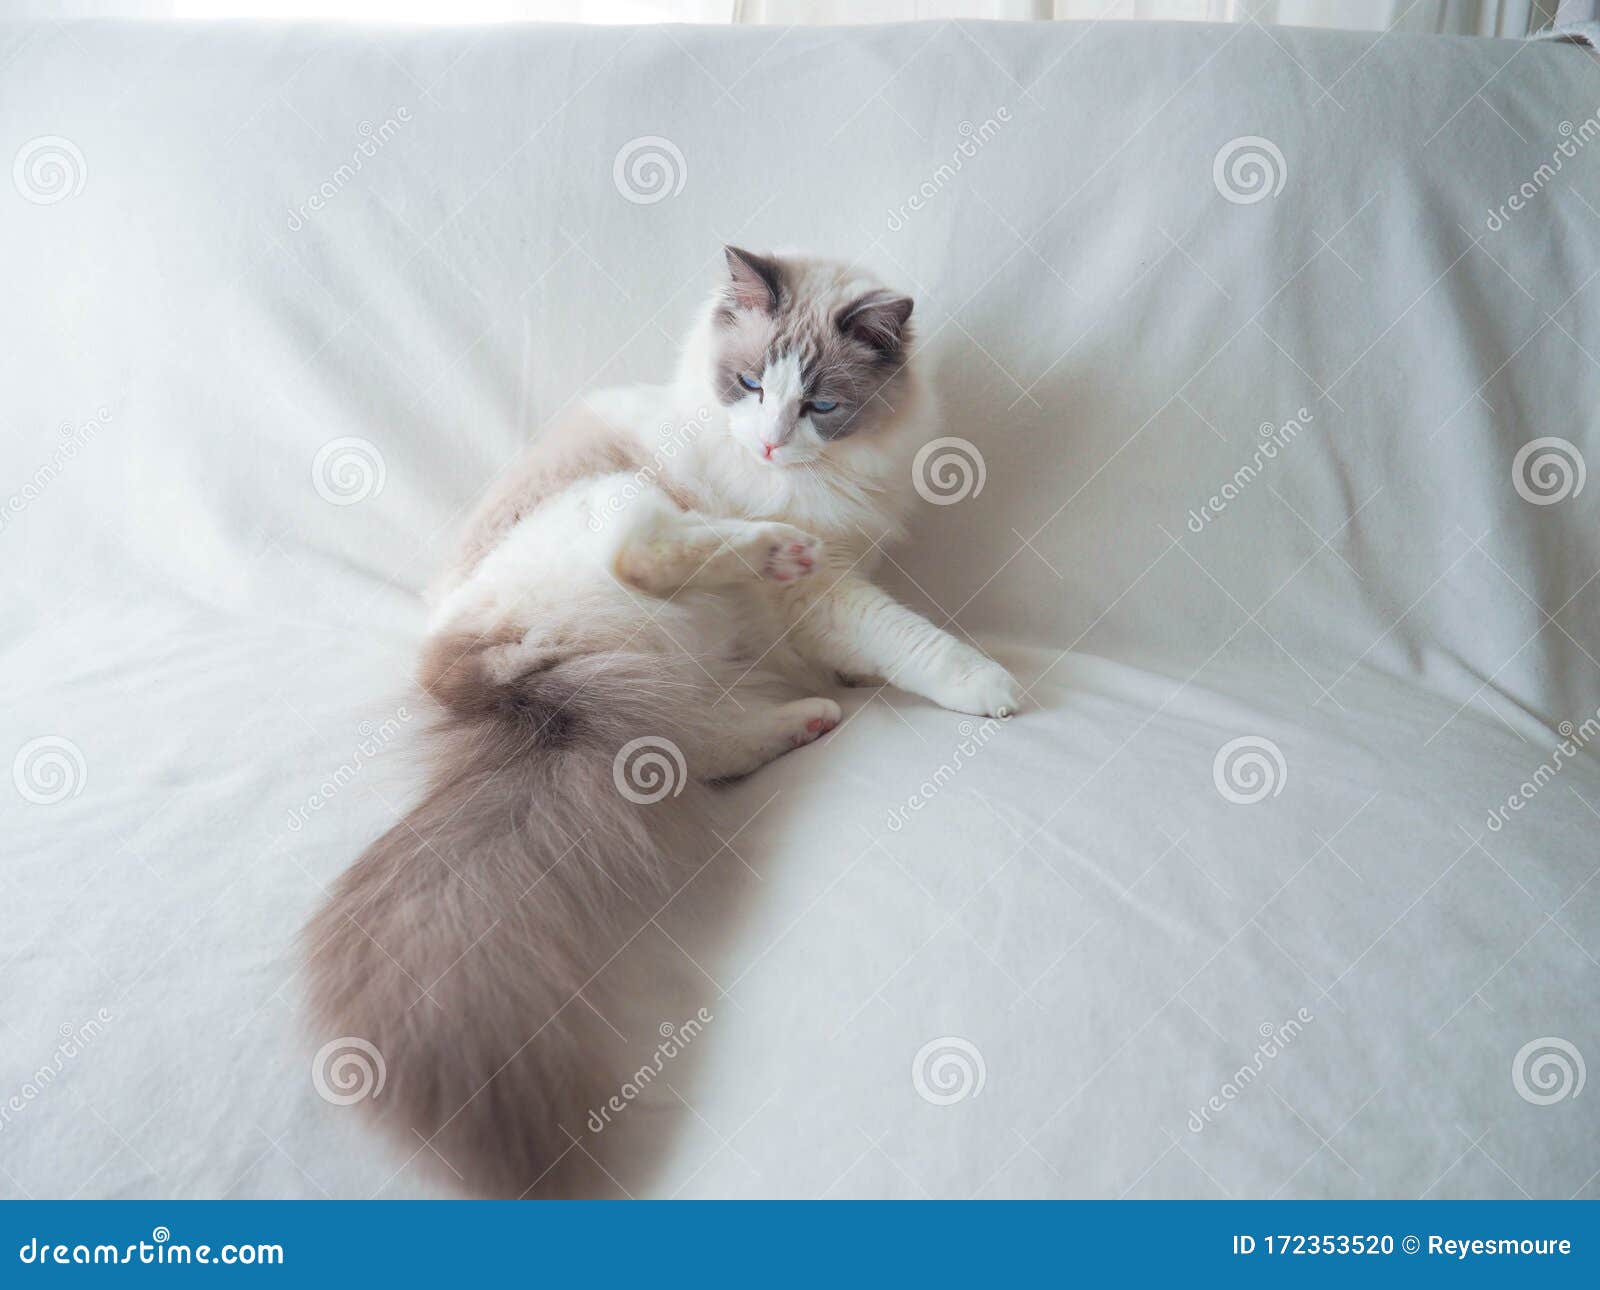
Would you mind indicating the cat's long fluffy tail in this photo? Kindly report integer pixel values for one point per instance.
(457, 945)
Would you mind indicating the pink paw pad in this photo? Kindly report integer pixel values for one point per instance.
(816, 727)
(787, 561)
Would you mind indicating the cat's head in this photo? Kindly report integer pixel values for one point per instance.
(808, 357)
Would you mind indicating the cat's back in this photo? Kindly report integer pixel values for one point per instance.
(583, 443)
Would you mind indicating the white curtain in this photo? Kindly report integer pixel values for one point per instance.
(403, 11)
(1462, 17)
(1465, 17)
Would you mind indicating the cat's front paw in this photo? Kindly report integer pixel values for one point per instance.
(987, 691)
(789, 554)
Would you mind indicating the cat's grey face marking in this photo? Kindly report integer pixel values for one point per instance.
(805, 358)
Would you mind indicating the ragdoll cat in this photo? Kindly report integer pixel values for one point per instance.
(677, 573)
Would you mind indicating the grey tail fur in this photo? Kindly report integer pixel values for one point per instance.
(458, 943)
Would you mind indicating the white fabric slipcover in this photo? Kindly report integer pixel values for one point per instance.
(941, 958)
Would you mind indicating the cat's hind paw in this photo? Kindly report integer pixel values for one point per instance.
(807, 720)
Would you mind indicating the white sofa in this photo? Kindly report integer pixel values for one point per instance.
(1067, 956)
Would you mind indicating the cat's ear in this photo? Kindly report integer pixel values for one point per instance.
(754, 281)
(878, 320)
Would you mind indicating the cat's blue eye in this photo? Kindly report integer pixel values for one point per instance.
(823, 405)
(750, 383)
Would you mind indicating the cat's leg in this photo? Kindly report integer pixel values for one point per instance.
(758, 735)
(858, 629)
(672, 551)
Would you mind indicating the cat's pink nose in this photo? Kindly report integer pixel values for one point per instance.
(767, 449)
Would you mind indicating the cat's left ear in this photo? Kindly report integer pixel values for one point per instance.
(754, 281)
(878, 320)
